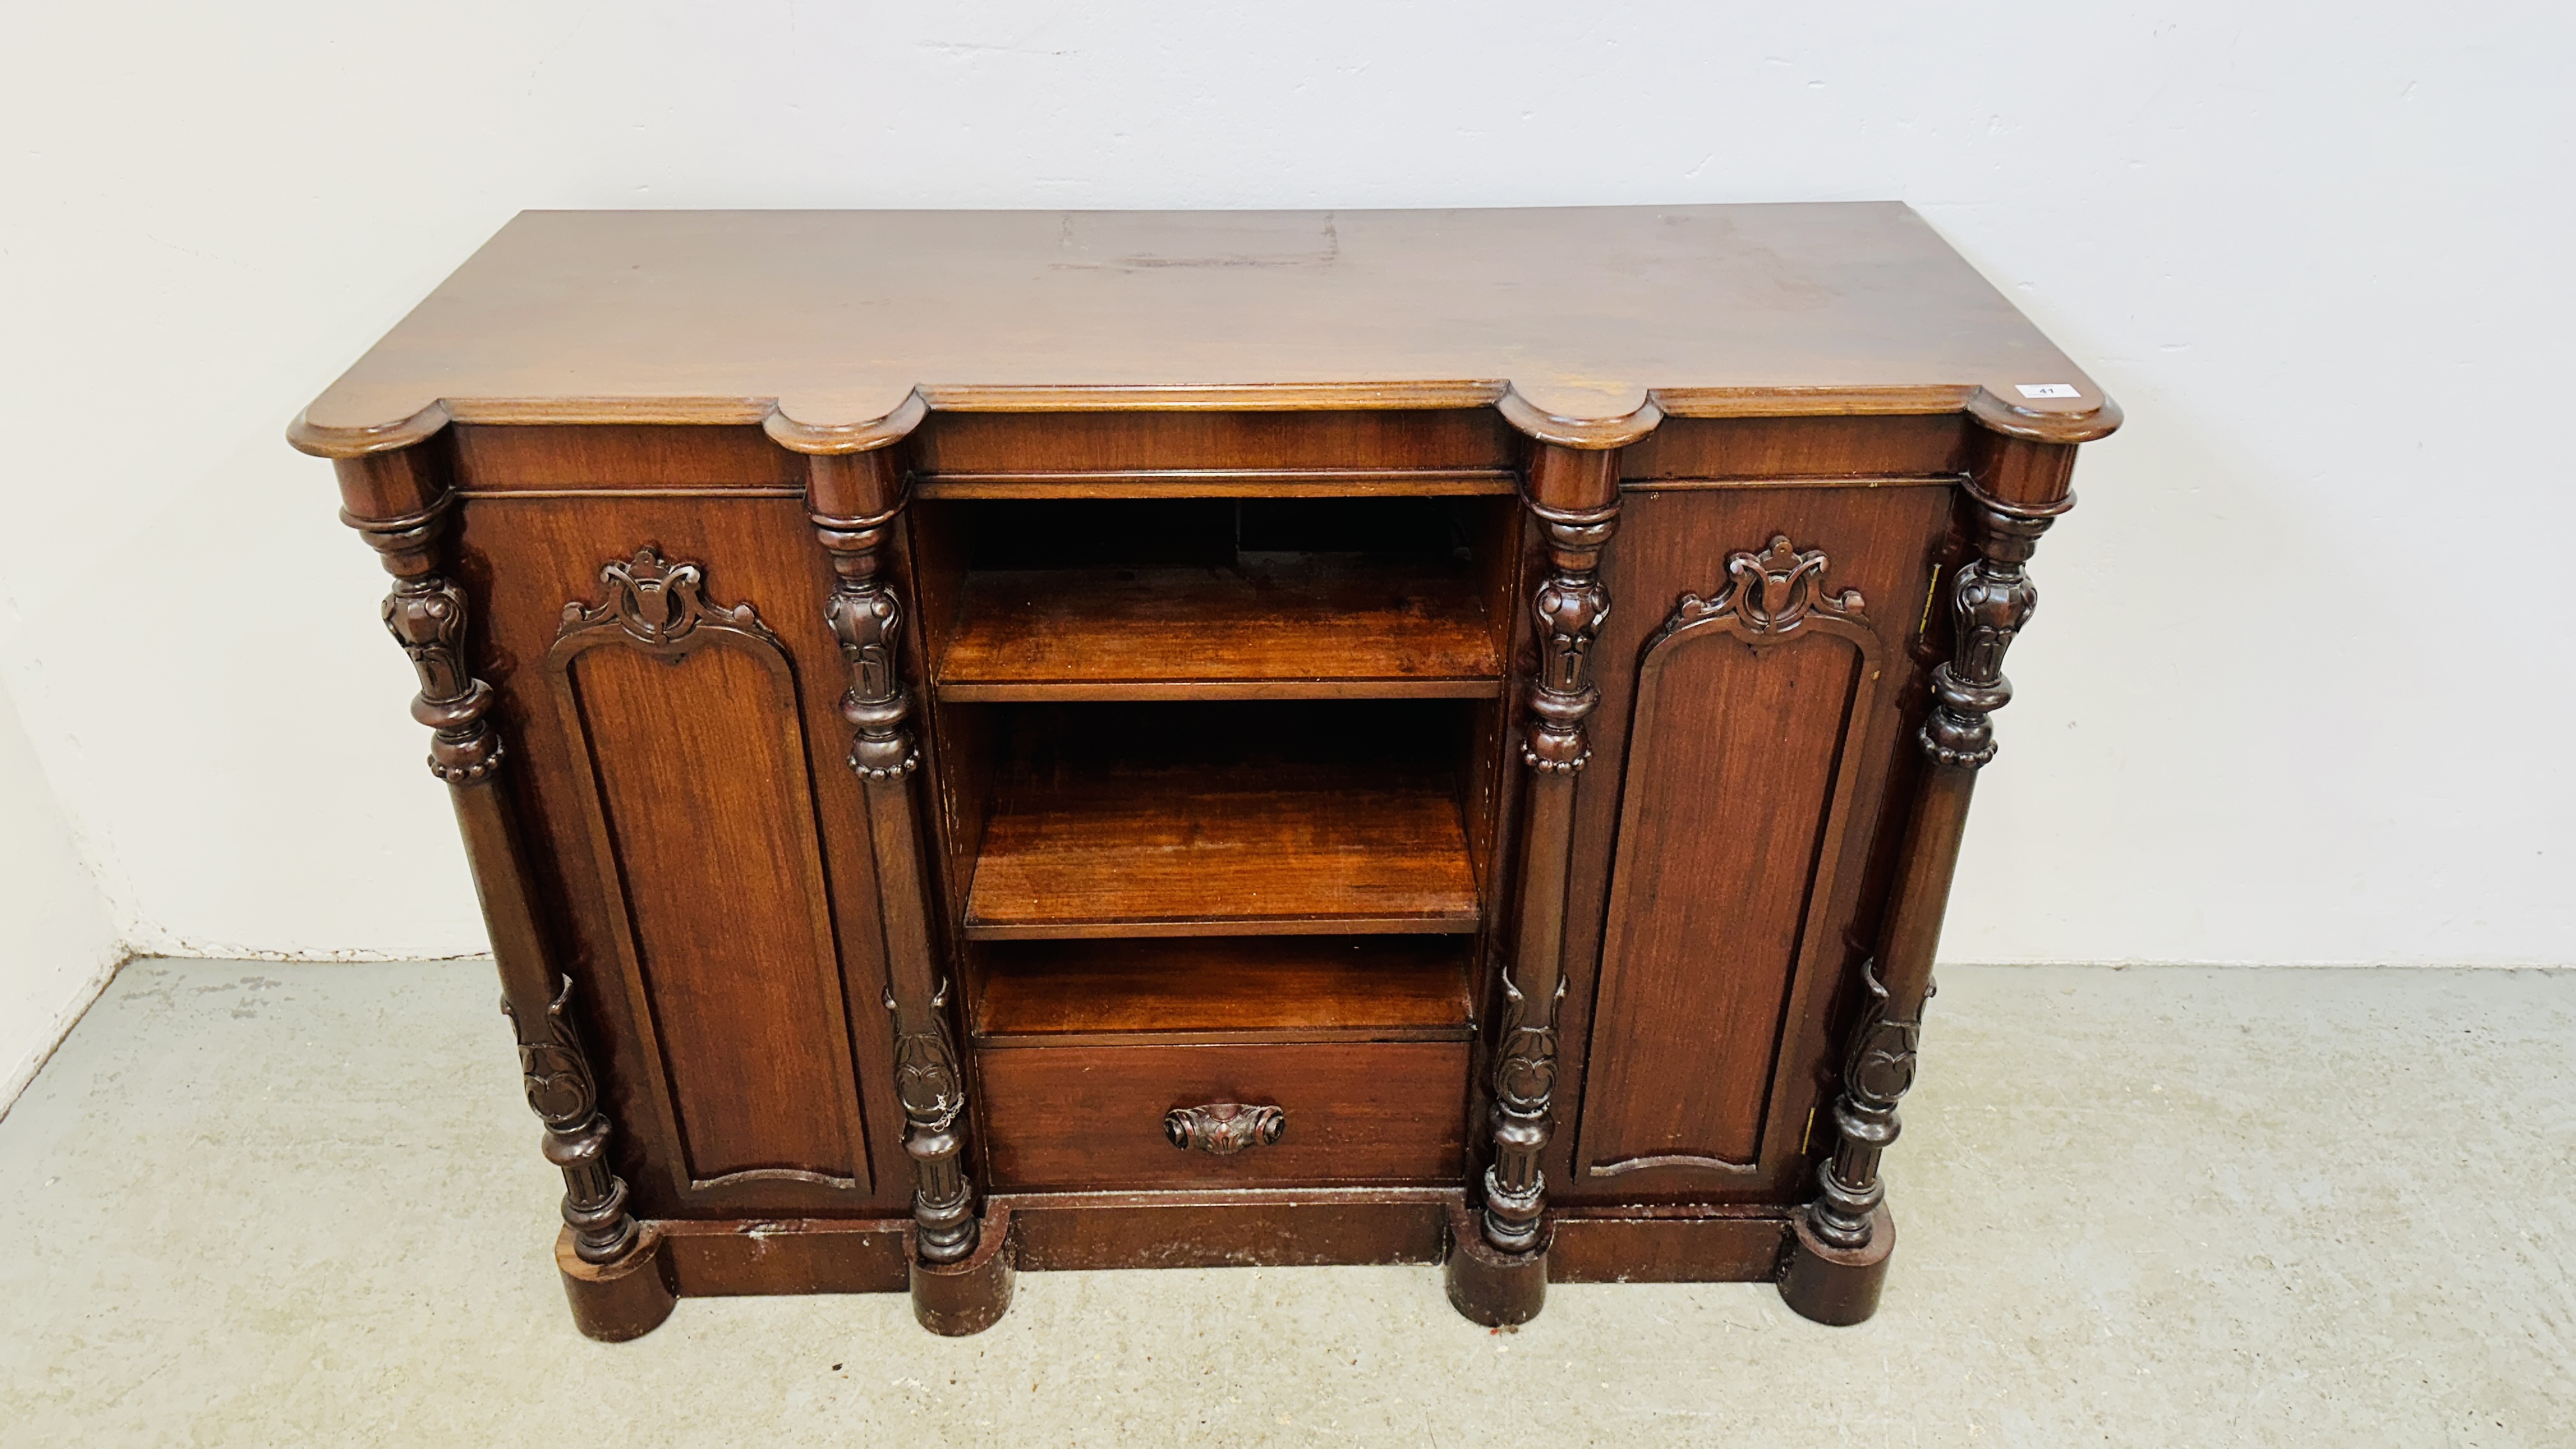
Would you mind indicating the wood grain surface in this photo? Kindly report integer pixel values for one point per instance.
(842, 330)
(702, 811)
(1105, 448)
(1195, 849)
(1722, 842)
(726, 956)
(1213, 989)
(1742, 806)
(1228, 1227)
(1092, 1117)
(1279, 626)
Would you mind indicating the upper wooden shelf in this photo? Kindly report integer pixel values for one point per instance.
(839, 331)
(1289, 626)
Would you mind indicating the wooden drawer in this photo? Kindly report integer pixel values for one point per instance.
(1092, 1117)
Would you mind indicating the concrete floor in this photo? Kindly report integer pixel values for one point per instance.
(260, 1204)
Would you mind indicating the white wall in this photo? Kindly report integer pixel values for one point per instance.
(57, 945)
(2295, 693)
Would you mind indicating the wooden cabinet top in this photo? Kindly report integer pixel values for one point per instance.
(839, 330)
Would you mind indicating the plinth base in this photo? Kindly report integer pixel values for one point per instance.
(628, 1298)
(1486, 1285)
(956, 1299)
(1834, 1285)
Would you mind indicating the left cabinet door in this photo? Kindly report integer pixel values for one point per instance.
(671, 689)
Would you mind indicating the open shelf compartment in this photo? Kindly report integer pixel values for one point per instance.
(1217, 598)
(1200, 819)
(1212, 990)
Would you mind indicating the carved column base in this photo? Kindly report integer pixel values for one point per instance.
(1487, 1285)
(1834, 1285)
(626, 1297)
(956, 1299)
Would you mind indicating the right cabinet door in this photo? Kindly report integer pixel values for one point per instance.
(1755, 695)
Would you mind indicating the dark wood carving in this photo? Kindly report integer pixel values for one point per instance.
(1991, 599)
(426, 614)
(932, 1091)
(1524, 1085)
(1711, 917)
(565, 1097)
(1222, 1129)
(1571, 607)
(1575, 499)
(867, 617)
(660, 607)
(1877, 1071)
(750, 1130)
(1768, 594)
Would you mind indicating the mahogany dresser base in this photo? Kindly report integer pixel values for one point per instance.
(705, 1259)
(994, 742)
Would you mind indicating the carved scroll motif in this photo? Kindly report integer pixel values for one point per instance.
(1222, 1129)
(563, 1094)
(1769, 593)
(660, 607)
(1878, 1069)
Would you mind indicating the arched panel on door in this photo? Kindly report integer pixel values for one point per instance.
(701, 819)
(1740, 768)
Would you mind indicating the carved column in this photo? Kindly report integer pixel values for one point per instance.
(1878, 1068)
(562, 1092)
(1575, 497)
(867, 618)
(1843, 1238)
(961, 1279)
(610, 1261)
(1571, 605)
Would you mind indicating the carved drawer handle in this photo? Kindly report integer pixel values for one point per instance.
(1224, 1128)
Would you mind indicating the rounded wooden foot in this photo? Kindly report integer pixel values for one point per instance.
(1837, 1285)
(956, 1299)
(1491, 1287)
(613, 1302)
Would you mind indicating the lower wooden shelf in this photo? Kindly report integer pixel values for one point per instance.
(1212, 990)
(1205, 847)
